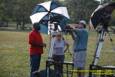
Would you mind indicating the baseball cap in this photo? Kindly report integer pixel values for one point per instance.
(83, 22)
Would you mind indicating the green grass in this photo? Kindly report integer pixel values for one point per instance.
(14, 56)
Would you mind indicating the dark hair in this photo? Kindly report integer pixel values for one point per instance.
(36, 26)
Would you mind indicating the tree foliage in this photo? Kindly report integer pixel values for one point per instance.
(81, 9)
(19, 10)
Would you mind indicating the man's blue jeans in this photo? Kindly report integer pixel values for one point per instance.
(34, 63)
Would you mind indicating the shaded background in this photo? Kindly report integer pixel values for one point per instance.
(16, 12)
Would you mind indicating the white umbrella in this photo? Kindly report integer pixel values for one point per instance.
(37, 17)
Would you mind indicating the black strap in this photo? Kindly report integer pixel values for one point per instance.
(80, 50)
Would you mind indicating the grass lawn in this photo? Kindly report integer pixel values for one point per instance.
(14, 57)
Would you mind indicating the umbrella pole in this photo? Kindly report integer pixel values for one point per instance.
(48, 62)
(99, 46)
(50, 43)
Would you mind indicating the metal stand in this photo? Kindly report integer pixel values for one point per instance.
(100, 42)
(50, 63)
(98, 51)
(102, 71)
(94, 66)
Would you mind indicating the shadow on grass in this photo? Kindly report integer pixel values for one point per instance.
(42, 73)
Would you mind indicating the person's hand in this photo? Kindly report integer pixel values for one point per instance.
(74, 26)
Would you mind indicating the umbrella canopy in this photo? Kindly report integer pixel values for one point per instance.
(102, 15)
(49, 11)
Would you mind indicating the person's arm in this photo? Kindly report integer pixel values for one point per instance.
(72, 33)
(67, 46)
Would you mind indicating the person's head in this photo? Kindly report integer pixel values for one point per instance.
(59, 36)
(36, 27)
(82, 24)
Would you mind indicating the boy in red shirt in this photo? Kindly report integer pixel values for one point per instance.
(36, 49)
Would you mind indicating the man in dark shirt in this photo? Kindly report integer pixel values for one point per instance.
(36, 49)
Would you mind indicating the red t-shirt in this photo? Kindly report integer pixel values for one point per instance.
(35, 37)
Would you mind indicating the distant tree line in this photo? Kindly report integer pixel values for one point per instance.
(19, 10)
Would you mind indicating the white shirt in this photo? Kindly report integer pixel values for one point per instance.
(58, 47)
